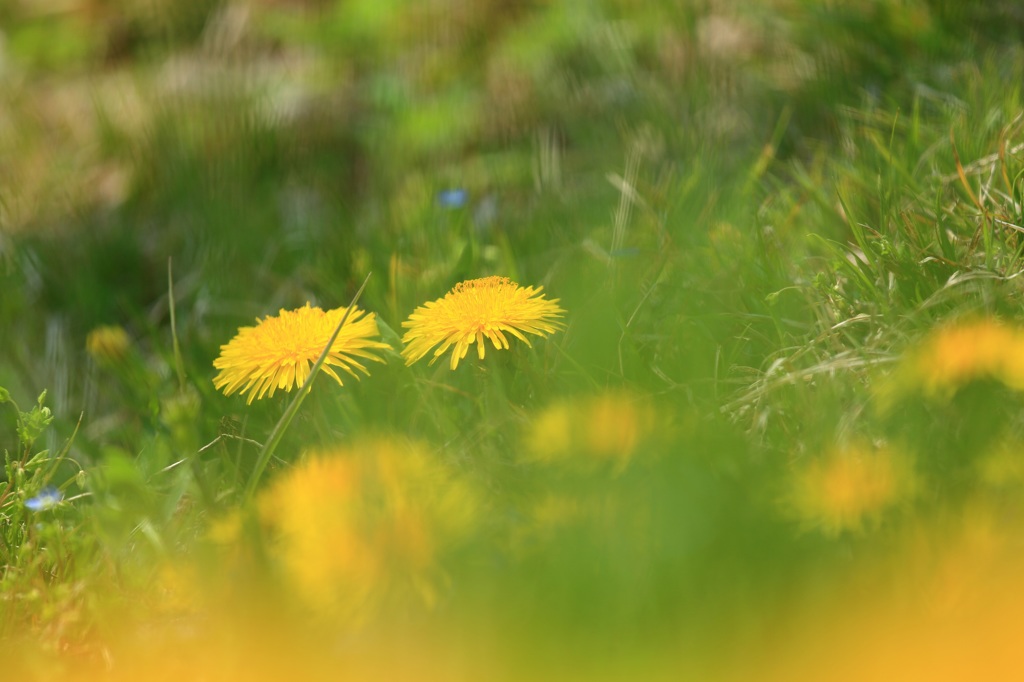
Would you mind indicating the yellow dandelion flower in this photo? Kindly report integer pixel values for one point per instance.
(352, 524)
(606, 428)
(848, 487)
(550, 434)
(474, 310)
(940, 602)
(960, 354)
(616, 423)
(955, 355)
(107, 344)
(279, 351)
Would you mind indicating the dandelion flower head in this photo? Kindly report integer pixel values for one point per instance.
(959, 354)
(955, 355)
(279, 352)
(351, 524)
(476, 310)
(107, 344)
(849, 487)
(609, 427)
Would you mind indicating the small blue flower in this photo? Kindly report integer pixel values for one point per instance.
(453, 198)
(47, 498)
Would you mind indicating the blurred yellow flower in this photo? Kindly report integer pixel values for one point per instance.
(550, 433)
(605, 428)
(107, 344)
(476, 309)
(351, 524)
(849, 487)
(960, 354)
(279, 351)
(226, 529)
(957, 354)
(940, 602)
(615, 423)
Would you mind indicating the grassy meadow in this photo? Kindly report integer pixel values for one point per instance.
(752, 401)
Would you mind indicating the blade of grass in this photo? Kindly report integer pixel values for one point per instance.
(179, 366)
(962, 174)
(267, 451)
(768, 152)
(841, 261)
(857, 229)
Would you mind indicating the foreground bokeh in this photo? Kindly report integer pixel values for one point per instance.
(760, 417)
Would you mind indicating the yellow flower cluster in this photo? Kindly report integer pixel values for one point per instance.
(278, 353)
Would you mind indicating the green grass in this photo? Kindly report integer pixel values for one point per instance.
(758, 219)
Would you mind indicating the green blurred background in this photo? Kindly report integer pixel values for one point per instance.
(748, 209)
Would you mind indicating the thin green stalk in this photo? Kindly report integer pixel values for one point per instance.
(179, 366)
(267, 451)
